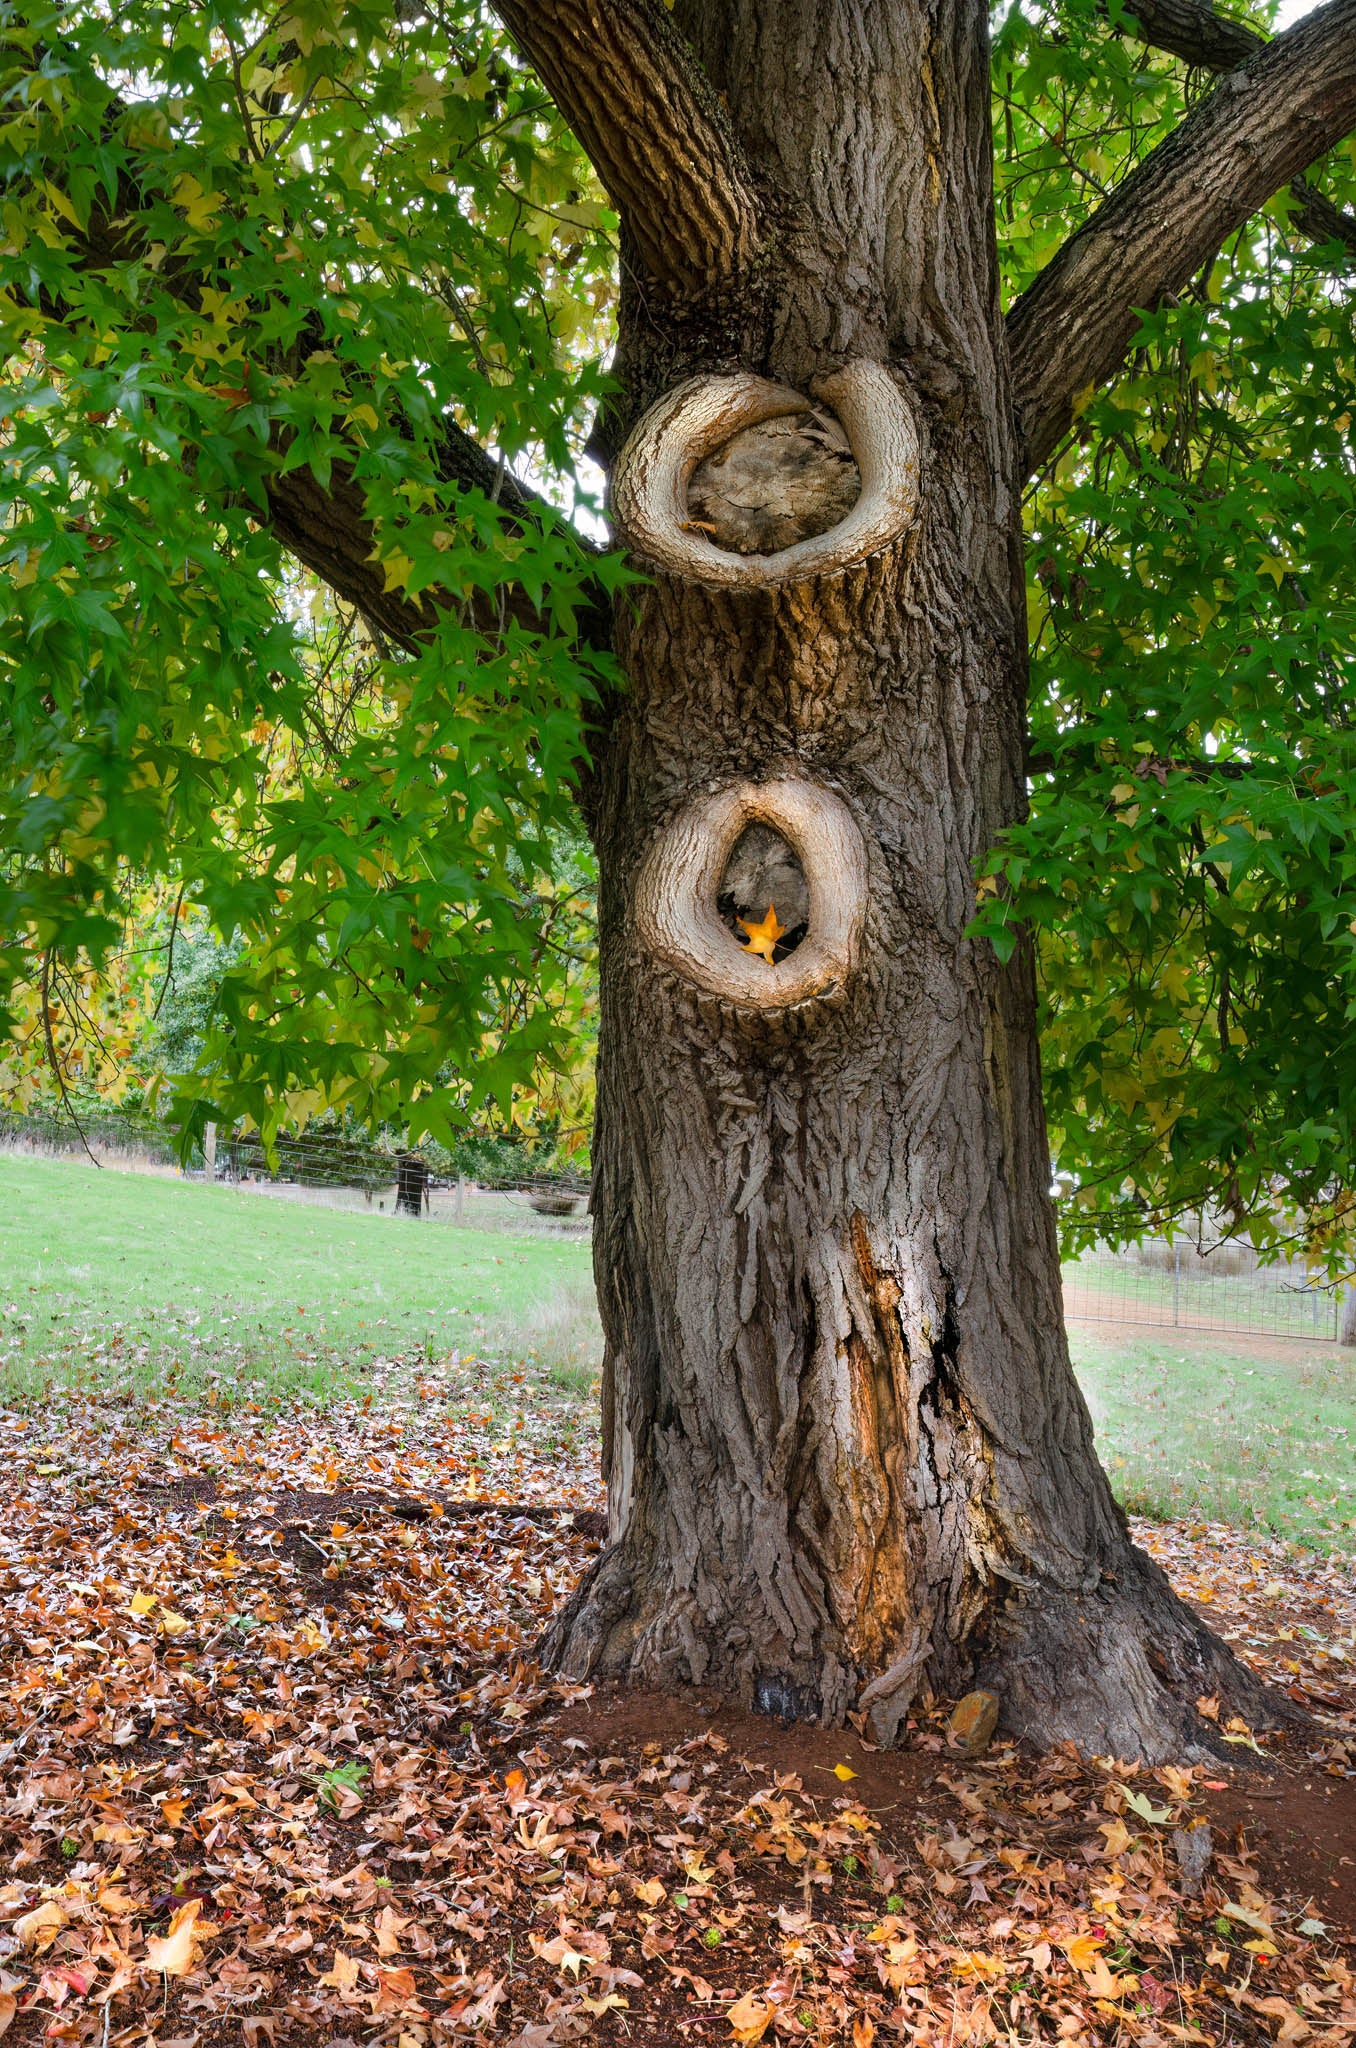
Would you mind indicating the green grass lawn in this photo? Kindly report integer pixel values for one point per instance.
(1214, 1428)
(139, 1285)
(135, 1282)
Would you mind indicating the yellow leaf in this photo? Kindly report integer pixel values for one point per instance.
(343, 1973)
(174, 1954)
(609, 2001)
(173, 1624)
(396, 569)
(1082, 1950)
(39, 1929)
(1101, 1981)
(763, 937)
(1118, 1836)
(141, 1603)
(651, 1893)
(118, 1904)
(59, 203)
(749, 2017)
(200, 208)
(559, 1953)
(1258, 1921)
(844, 1772)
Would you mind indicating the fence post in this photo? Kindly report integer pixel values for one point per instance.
(459, 1201)
(1176, 1283)
(209, 1150)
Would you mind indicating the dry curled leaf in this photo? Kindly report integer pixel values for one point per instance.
(175, 1953)
(750, 2017)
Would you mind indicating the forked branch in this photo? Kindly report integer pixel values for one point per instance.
(1289, 104)
(1191, 30)
(657, 135)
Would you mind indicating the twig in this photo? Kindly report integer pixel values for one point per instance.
(52, 1059)
(169, 963)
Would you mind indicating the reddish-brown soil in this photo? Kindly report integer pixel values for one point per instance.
(1295, 1822)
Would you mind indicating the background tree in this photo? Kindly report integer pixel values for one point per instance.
(268, 276)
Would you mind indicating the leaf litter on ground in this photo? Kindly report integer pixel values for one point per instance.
(277, 1766)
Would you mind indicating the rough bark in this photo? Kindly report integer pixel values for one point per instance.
(846, 1454)
(656, 133)
(1194, 32)
(1289, 103)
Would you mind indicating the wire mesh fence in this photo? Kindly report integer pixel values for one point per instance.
(1224, 1288)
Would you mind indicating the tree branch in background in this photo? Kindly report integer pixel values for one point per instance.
(326, 525)
(1194, 32)
(1292, 101)
(658, 136)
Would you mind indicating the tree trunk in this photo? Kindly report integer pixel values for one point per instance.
(846, 1455)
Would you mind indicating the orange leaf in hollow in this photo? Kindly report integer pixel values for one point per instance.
(763, 933)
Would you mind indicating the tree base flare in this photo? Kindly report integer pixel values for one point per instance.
(1123, 1669)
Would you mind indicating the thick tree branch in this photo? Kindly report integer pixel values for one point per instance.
(657, 135)
(326, 525)
(1293, 100)
(1193, 31)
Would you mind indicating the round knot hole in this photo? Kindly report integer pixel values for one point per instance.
(706, 898)
(738, 481)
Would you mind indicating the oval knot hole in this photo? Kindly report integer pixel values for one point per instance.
(715, 869)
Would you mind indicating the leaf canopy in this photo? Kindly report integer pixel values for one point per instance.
(322, 244)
